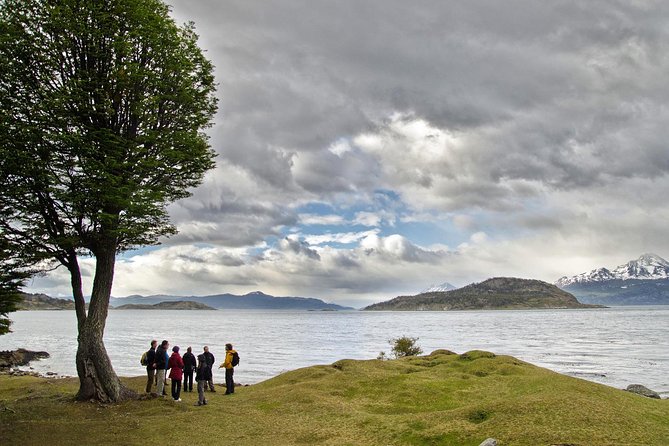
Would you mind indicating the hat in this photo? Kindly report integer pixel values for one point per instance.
(175, 348)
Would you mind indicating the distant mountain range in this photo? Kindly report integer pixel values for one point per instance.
(644, 281)
(251, 301)
(500, 293)
(646, 267)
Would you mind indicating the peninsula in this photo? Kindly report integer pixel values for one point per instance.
(44, 302)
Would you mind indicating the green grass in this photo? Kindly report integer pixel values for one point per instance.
(440, 399)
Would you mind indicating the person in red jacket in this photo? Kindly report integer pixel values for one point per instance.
(176, 366)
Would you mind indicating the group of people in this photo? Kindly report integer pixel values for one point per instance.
(159, 362)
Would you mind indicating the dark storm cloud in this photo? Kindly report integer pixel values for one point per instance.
(558, 88)
(218, 213)
(537, 129)
(299, 247)
(541, 122)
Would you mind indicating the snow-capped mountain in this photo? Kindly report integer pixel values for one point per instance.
(437, 288)
(646, 267)
(596, 275)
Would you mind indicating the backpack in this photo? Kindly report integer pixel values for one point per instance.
(144, 360)
(203, 371)
(235, 359)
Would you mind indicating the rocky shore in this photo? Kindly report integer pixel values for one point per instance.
(643, 391)
(11, 359)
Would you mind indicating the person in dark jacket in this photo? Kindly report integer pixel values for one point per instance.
(209, 358)
(150, 370)
(176, 366)
(160, 364)
(202, 376)
(190, 364)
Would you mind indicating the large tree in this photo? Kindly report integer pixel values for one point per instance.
(102, 109)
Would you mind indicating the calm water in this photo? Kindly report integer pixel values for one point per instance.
(614, 346)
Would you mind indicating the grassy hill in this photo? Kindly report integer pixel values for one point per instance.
(440, 399)
(500, 293)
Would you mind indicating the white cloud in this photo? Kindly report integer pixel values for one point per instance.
(375, 219)
(368, 219)
(396, 247)
(340, 147)
(479, 237)
(465, 222)
(345, 237)
(317, 219)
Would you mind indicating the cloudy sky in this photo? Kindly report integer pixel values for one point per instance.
(371, 148)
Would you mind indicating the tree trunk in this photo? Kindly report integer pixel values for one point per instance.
(72, 264)
(97, 379)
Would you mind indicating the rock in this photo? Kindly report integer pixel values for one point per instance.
(16, 372)
(643, 391)
(489, 442)
(14, 358)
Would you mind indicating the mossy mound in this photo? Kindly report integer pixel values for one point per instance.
(438, 399)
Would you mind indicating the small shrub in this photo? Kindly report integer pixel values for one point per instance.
(382, 356)
(405, 346)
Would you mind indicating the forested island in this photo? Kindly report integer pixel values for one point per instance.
(500, 293)
(173, 305)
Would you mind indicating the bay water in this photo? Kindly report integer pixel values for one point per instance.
(614, 346)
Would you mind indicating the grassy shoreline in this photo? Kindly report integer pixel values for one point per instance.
(439, 399)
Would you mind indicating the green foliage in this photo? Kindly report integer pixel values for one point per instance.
(404, 346)
(103, 105)
(9, 300)
(11, 279)
(102, 110)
